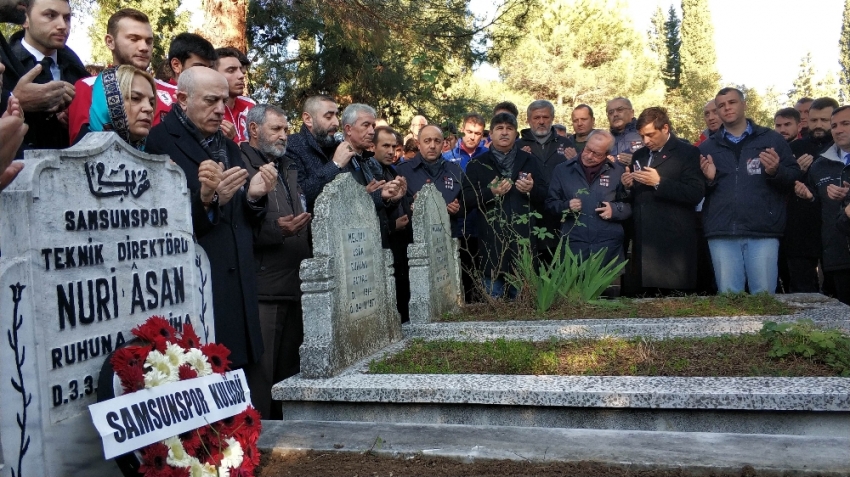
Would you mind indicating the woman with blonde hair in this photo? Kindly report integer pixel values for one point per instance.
(123, 101)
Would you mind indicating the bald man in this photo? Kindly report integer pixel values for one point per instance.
(224, 216)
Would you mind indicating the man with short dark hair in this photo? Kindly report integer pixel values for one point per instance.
(470, 144)
(621, 118)
(224, 215)
(233, 64)
(506, 107)
(561, 130)
(802, 106)
(186, 50)
(43, 42)
(800, 249)
(583, 124)
(749, 169)
(505, 184)
(130, 39)
(280, 244)
(664, 188)
(786, 122)
(827, 186)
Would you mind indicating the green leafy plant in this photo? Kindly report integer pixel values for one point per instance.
(803, 338)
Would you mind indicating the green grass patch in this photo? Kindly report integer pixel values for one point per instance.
(692, 305)
(783, 352)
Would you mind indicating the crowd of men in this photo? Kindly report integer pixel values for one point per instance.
(746, 208)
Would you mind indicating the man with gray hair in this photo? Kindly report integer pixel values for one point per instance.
(621, 119)
(280, 244)
(222, 217)
(550, 149)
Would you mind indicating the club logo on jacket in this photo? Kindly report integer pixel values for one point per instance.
(449, 182)
(165, 97)
(753, 166)
(636, 145)
(561, 149)
(604, 180)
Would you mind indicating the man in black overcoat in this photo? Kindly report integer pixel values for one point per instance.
(665, 184)
(223, 222)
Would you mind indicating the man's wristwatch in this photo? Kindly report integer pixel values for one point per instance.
(213, 201)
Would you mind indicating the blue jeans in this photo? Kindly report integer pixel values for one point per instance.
(745, 260)
(496, 288)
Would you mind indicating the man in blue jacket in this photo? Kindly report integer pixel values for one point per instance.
(750, 170)
(627, 140)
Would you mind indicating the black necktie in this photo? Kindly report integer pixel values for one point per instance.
(46, 75)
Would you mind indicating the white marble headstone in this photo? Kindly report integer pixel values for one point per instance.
(95, 239)
(434, 259)
(349, 292)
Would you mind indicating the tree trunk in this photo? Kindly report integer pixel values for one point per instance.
(225, 23)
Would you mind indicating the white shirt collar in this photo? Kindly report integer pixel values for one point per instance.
(37, 54)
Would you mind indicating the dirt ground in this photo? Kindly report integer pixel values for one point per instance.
(339, 464)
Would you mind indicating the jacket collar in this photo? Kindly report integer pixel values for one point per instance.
(630, 127)
(254, 156)
(833, 153)
(665, 151)
(185, 141)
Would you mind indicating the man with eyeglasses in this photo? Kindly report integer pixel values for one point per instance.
(589, 195)
(621, 119)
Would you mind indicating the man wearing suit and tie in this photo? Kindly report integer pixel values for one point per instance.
(42, 42)
(664, 185)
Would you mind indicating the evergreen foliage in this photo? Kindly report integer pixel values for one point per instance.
(699, 79)
(401, 56)
(844, 53)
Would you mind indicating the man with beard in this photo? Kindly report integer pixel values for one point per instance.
(130, 39)
(712, 121)
(621, 118)
(801, 245)
(827, 186)
(541, 141)
(42, 42)
(34, 92)
(280, 244)
(786, 122)
(314, 148)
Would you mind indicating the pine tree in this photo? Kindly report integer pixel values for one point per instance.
(673, 66)
(804, 84)
(165, 22)
(699, 77)
(657, 34)
(844, 53)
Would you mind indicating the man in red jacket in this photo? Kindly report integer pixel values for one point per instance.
(130, 38)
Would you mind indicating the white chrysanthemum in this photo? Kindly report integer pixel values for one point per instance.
(155, 377)
(159, 362)
(232, 456)
(177, 456)
(175, 355)
(203, 470)
(196, 359)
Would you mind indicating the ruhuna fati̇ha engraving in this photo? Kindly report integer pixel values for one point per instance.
(95, 239)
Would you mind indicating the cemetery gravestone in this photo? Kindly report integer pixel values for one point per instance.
(348, 289)
(95, 240)
(434, 259)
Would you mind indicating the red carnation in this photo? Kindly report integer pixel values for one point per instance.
(189, 339)
(156, 331)
(180, 472)
(226, 427)
(132, 379)
(186, 372)
(154, 461)
(128, 363)
(242, 471)
(217, 355)
(250, 457)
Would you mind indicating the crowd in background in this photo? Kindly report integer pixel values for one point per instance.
(747, 208)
